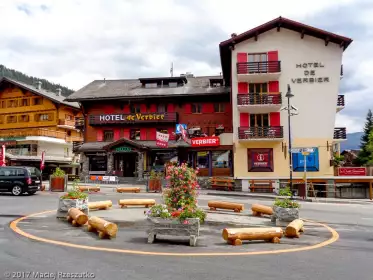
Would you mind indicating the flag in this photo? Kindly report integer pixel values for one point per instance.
(42, 161)
(2, 156)
(162, 139)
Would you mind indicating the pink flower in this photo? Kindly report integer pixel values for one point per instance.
(185, 222)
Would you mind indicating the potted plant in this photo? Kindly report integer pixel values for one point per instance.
(180, 215)
(155, 181)
(72, 199)
(57, 180)
(285, 210)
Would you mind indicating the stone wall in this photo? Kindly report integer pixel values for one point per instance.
(85, 168)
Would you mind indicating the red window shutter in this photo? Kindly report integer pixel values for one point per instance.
(243, 88)
(126, 133)
(242, 68)
(143, 134)
(143, 108)
(170, 108)
(273, 86)
(116, 134)
(273, 65)
(207, 108)
(244, 120)
(100, 135)
(126, 109)
(188, 108)
(274, 119)
(153, 108)
(241, 57)
(152, 133)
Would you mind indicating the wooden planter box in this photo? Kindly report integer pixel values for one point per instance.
(155, 185)
(65, 204)
(57, 184)
(173, 227)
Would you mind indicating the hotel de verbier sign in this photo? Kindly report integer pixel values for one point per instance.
(131, 118)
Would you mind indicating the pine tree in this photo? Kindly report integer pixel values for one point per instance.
(365, 155)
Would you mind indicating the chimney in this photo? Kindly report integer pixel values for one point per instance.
(59, 90)
(38, 84)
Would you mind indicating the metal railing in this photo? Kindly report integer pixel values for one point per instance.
(340, 133)
(256, 132)
(14, 133)
(341, 100)
(258, 67)
(100, 179)
(259, 99)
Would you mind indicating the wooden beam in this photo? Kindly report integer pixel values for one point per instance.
(327, 39)
(302, 34)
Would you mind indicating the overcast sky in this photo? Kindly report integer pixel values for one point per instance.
(73, 42)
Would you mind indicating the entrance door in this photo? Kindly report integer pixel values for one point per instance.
(125, 164)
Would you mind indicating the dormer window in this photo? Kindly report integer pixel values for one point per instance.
(172, 84)
(216, 82)
(151, 85)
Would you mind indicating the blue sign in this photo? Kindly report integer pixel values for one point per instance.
(312, 164)
(178, 130)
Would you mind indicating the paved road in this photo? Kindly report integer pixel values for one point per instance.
(348, 258)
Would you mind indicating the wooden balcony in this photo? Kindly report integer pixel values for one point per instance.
(79, 122)
(340, 134)
(262, 71)
(271, 133)
(16, 133)
(262, 103)
(340, 102)
(66, 123)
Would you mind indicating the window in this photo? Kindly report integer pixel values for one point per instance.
(12, 119)
(37, 101)
(135, 134)
(258, 62)
(23, 118)
(203, 159)
(221, 159)
(108, 135)
(196, 108)
(162, 108)
(24, 102)
(152, 85)
(12, 103)
(2, 104)
(259, 120)
(135, 109)
(43, 117)
(219, 107)
(258, 88)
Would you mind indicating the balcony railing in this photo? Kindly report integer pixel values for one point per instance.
(259, 99)
(66, 122)
(340, 133)
(24, 152)
(270, 132)
(14, 133)
(258, 67)
(341, 100)
(79, 122)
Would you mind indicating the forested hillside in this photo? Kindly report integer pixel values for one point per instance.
(20, 77)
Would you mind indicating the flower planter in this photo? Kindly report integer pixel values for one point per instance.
(173, 227)
(155, 185)
(284, 215)
(57, 184)
(65, 204)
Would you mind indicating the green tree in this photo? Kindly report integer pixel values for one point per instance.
(365, 155)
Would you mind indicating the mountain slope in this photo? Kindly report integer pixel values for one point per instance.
(353, 141)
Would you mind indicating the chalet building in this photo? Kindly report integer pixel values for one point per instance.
(122, 118)
(33, 120)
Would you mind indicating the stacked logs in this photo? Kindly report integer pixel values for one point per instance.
(76, 217)
(100, 205)
(104, 228)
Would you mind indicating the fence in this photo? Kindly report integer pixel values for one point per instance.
(315, 191)
(101, 179)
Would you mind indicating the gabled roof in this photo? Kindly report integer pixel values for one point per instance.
(280, 22)
(47, 94)
(133, 88)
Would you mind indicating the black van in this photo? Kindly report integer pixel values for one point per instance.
(20, 179)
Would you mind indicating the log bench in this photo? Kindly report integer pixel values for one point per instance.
(261, 186)
(236, 207)
(103, 227)
(234, 236)
(294, 228)
(123, 203)
(76, 217)
(259, 210)
(89, 189)
(222, 183)
(100, 205)
(128, 190)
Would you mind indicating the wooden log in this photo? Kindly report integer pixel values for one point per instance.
(136, 202)
(258, 210)
(100, 205)
(235, 236)
(104, 228)
(77, 217)
(88, 188)
(237, 207)
(128, 190)
(294, 228)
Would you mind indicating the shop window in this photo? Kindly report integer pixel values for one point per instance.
(37, 101)
(135, 109)
(24, 102)
(202, 160)
(12, 103)
(219, 107)
(24, 118)
(162, 108)
(108, 135)
(221, 159)
(259, 120)
(98, 163)
(11, 119)
(196, 108)
(135, 134)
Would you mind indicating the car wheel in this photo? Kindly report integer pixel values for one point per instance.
(31, 192)
(16, 190)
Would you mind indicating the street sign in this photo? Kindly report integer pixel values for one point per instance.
(303, 150)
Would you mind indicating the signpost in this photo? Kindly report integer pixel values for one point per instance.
(305, 152)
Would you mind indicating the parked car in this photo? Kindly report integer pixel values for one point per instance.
(20, 179)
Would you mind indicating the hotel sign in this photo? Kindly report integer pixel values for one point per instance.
(352, 171)
(309, 73)
(132, 118)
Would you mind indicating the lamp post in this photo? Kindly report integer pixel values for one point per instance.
(289, 109)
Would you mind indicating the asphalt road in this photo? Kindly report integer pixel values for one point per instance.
(348, 258)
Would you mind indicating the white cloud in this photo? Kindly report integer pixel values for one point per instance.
(72, 42)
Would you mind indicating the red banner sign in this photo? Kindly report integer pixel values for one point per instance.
(205, 142)
(42, 161)
(2, 155)
(352, 171)
(162, 140)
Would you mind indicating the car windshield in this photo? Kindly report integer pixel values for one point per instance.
(33, 171)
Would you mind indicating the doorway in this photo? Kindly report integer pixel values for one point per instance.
(125, 164)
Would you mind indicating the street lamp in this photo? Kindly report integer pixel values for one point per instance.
(289, 108)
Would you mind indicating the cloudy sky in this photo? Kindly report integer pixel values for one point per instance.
(73, 42)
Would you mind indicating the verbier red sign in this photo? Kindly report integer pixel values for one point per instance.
(205, 142)
(352, 171)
